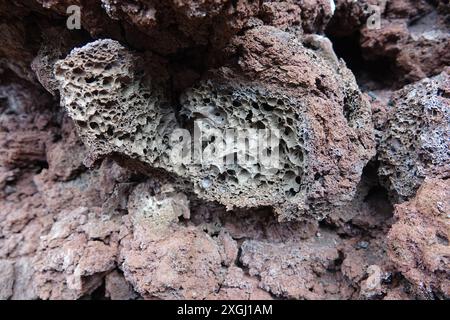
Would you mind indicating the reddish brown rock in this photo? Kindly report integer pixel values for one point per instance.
(239, 286)
(65, 158)
(6, 279)
(418, 242)
(69, 232)
(297, 270)
(366, 266)
(350, 16)
(417, 48)
(24, 132)
(80, 248)
(164, 260)
(117, 288)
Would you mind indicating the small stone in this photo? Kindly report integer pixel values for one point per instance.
(362, 245)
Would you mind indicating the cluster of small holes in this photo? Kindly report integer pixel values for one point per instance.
(112, 107)
(416, 138)
(117, 111)
(249, 108)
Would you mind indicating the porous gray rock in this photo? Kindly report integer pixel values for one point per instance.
(415, 143)
(308, 110)
(114, 109)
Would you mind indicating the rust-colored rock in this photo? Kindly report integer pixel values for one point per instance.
(419, 240)
(414, 38)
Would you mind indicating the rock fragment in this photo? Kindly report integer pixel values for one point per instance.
(413, 37)
(418, 243)
(415, 143)
(117, 288)
(296, 270)
(6, 279)
(308, 104)
(162, 259)
(73, 257)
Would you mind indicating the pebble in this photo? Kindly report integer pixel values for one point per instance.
(362, 245)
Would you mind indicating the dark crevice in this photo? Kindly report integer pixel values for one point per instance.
(370, 75)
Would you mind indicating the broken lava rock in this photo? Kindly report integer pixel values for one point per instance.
(415, 143)
(419, 240)
(131, 165)
(310, 103)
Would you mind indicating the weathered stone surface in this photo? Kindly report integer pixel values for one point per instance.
(70, 231)
(162, 259)
(415, 143)
(24, 133)
(418, 242)
(409, 39)
(32, 199)
(114, 109)
(296, 270)
(366, 267)
(6, 279)
(117, 287)
(349, 16)
(118, 112)
(415, 38)
(79, 249)
(239, 286)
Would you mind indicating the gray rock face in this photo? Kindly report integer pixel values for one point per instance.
(295, 139)
(416, 141)
(7, 279)
(115, 109)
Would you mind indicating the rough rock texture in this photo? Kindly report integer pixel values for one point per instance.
(93, 205)
(417, 47)
(354, 13)
(7, 282)
(168, 27)
(410, 38)
(185, 260)
(71, 259)
(117, 287)
(114, 109)
(298, 102)
(419, 240)
(118, 112)
(415, 143)
(302, 270)
(396, 42)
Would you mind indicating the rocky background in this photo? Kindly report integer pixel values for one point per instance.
(82, 221)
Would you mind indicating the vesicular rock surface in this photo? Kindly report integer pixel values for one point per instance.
(309, 109)
(217, 149)
(416, 139)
